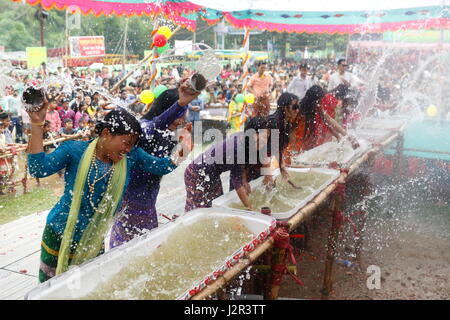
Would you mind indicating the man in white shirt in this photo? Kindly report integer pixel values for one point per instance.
(342, 76)
(174, 73)
(301, 83)
(14, 106)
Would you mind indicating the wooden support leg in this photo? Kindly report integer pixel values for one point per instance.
(398, 164)
(25, 179)
(359, 241)
(279, 257)
(337, 208)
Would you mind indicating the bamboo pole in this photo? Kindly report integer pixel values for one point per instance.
(23, 147)
(279, 255)
(337, 206)
(125, 43)
(245, 69)
(142, 62)
(234, 271)
(295, 220)
(267, 268)
(399, 157)
(426, 151)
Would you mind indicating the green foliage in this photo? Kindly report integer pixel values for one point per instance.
(13, 207)
(20, 29)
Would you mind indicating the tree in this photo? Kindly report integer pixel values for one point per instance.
(21, 30)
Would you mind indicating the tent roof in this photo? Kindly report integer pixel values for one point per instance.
(322, 16)
(174, 10)
(316, 5)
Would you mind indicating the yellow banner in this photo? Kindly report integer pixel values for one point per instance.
(35, 56)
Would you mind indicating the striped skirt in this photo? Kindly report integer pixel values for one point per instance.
(51, 241)
(201, 189)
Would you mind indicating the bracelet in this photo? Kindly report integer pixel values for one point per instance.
(38, 123)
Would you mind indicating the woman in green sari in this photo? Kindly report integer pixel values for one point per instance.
(96, 175)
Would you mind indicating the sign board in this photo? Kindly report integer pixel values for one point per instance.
(182, 47)
(418, 36)
(221, 28)
(87, 46)
(74, 21)
(235, 31)
(35, 56)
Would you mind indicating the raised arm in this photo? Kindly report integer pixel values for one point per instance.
(42, 165)
(37, 120)
(178, 108)
(170, 115)
(332, 124)
(154, 165)
(336, 128)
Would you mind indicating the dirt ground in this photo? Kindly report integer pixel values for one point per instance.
(405, 236)
(407, 241)
(413, 265)
(411, 250)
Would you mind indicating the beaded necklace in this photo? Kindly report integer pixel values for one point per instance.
(91, 185)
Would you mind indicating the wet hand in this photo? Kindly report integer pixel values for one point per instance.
(248, 188)
(186, 93)
(269, 182)
(39, 116)
(354, 142)
(284, 173)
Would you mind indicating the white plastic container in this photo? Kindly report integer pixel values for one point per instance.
(227, 199)
(342, 153)
(82, 280)
(382, 123)
(373, 135)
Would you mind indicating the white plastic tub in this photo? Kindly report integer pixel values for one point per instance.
(373, 135)
(82, 280)
(383, 123)
(227, 199)
(342, 153)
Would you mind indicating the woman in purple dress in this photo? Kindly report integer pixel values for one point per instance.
(238, 154)
(138, 212)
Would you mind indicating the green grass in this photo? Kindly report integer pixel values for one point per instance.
(13, 207)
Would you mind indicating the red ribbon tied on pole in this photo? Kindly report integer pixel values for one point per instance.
(281, 237)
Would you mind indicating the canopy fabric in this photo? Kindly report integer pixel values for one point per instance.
(398, 45)
(329, 21)
(325, 16)
(174, 10)
(322, 6)
(318, 16)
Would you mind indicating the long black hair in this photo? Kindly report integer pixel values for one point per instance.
(162, 103)
(308, 107)
(256, 124)
(119, 122)
(277, 120)
(341, 91)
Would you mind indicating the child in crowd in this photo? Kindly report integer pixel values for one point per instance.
(5, 118)
(5, 167)
(68, 129)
